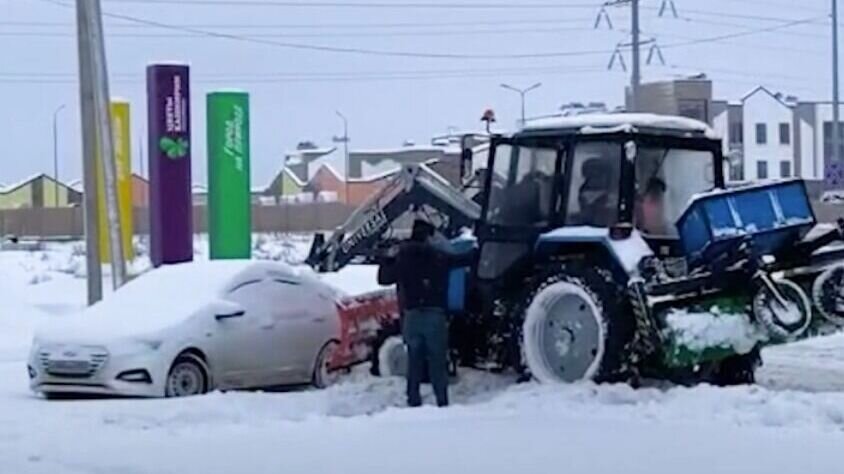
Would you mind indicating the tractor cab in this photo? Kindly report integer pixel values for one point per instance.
(617, 172)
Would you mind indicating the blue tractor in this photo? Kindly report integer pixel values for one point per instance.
(610, 249)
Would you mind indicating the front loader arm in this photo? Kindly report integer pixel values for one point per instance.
(415, 187)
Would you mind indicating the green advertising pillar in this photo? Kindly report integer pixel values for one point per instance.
(229, 200)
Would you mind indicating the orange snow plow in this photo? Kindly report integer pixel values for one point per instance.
(361, 317)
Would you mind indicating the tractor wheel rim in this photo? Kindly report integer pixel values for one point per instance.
(185, 380)
(567, 335)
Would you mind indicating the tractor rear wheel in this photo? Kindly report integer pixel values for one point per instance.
(575, 327)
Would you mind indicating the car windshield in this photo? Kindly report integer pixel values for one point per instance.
(666, 179)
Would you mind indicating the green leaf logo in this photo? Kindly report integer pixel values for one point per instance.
(174, 149)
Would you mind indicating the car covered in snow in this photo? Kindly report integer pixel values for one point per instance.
(190, 328)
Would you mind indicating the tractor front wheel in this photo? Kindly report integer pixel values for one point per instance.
(574, 327)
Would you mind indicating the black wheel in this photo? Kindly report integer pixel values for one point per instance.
(53, 396)
(737, 370)
(322, 376)
(188, 376)
(575, 325)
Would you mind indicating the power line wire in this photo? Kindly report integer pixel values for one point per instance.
(318, 26)
(427, 55)
(341, 49)
(288, 74)
(366, 77)
(721, 14)
(768, 3)
(722, 23)
(727, 36)
(461, 32)
(366, 5)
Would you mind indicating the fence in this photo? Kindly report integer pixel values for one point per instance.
(68, 223)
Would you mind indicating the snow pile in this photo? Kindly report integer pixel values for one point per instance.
(699, 331)
(360, 425)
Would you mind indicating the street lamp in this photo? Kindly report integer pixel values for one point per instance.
(56, 154)
(345, 140)
(522, 93)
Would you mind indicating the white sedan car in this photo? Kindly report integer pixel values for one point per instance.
(187, 329)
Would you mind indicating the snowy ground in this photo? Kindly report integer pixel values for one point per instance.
(792, 422)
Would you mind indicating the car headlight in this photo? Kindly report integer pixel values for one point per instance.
(153, 344)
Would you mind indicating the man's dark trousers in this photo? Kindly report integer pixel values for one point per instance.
(426, 337)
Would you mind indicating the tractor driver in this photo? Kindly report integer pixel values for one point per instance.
(594, 196)
(650, 215)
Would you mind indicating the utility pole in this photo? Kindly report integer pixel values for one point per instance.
(345, 141)
(522, 93)
(56, 154)
(89, 158)
(635, 45)
(102, 100)
(97, 137)
(836, 118)
(636, 76)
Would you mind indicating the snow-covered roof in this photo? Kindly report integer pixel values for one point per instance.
(600, 122)
(76, 185)
(310, 151)
(23, 182)
(407, 149)
(777, 97)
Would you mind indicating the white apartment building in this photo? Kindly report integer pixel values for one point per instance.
(769, 135)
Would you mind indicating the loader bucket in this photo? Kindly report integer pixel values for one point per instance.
(771, 217)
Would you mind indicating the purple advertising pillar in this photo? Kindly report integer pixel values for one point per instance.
(170, 206)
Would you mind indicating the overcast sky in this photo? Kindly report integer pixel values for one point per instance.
(459, 56)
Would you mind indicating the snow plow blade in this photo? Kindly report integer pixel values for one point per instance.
(360, 319)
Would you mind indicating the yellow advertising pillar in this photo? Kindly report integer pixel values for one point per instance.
(123, 161)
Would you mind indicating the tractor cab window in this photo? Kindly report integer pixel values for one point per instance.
(521, 192)
(666, 179)
(595, 183)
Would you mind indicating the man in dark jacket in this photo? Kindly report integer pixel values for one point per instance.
(420, 269)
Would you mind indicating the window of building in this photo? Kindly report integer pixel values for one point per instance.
(785, 134)
(785, 169)
(761, 134)
(827, 140)
(761, 170)
(697, 109)
(736, 133)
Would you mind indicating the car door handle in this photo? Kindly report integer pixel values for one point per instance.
(318, 319)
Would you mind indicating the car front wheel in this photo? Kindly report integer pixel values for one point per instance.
(187, 377)
(322, 376)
